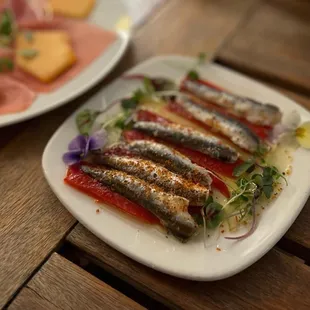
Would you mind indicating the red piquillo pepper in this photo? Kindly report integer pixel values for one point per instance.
(84, 183)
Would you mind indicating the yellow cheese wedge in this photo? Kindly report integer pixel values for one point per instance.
(44, 54)
(72, 8)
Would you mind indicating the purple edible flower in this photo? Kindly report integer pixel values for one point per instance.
(81, 145)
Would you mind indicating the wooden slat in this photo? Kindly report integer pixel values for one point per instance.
(300, 230)
(60, 284)
(190, 27)
(33, 221)
(273, 43)
(29, 299)
(277, 281)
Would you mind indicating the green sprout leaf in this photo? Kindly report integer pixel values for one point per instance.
(28, 36)
(247, 166)
(261, 151)
(123, 121)
(193, 75)
(28, 53)
(202, 58)
(6, 23)
(148, 86)
(213, 213)
(129, 103)
(132, 102)
(85, 120)
(258, 179)
(6, 64)
(208, 201)
(138, 95)
(268, 190)
(217, 216)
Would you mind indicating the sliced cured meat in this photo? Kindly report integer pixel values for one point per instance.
(6, 52)
(24, 10)
(14, 96)
(88, 41)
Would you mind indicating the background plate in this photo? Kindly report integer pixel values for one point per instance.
(106, 14)
(145, 243)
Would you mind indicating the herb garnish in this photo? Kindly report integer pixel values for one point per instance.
(212, 211)
(6, 38)
(255, 178)
(193, 73)
(247, 166)
(6, 64)
(148, 86)
(85, 120)
(265, 180)
(6, 23)
(124, 120)
(28, 36)
(139, 95)
(132, 102)
(28, 53)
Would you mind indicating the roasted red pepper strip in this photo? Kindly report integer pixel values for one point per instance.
(196, 157)
(147, 116)
(84, 183)
(261, 131)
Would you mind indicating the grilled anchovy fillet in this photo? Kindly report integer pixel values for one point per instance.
(252, 110)
(237, 132)
(153, 173)
(171, 159)
(189, 138)
(170, 209)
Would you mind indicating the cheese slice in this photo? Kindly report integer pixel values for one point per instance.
(44, 54)
(72, 8)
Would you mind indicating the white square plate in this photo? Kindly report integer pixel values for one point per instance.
(106, 14)
(150, 246)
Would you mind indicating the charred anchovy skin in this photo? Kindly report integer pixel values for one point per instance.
(189, 138)
(237, 132)
(170, 209)
(252, 110)
(171, 159)
(162, 177)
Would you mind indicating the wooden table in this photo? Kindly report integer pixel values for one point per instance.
(49, 261)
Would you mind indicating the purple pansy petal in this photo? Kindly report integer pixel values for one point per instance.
(72, 157)
(78, 143)
(86, 149)
(97, 140)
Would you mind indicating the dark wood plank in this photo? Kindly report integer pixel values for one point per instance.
(66, 286)
(300, 230)
(300, 99)
(28, 299)
(277, 281)
(33, 221)
(190, 27)
(273, 43)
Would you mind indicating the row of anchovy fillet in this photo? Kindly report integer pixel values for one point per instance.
(166, 182)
